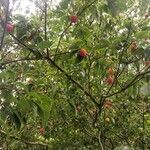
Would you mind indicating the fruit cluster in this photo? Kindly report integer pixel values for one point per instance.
(110, 79)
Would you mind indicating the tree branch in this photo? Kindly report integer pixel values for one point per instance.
(60, 38)
(35, 52)
(50, 61)
(120, 60)
(13, 61)
(79, 13)
(62, 34)
(137, 78)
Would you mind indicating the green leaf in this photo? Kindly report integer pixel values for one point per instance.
(64, 4)
(82, 32)
(16, 120)
(142, 34)
(2, 123)
(44, 104)
(38, 39)
(76, 44)
(112, 5)
(116, 6)
(45, 44)
(23, 105)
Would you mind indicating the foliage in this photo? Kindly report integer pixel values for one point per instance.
(50, 98)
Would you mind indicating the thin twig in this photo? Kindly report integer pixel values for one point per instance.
(30, 49)
(79, 13)
(136, 79)
(62, 34)
(100, 142)
(120, 60)
(60, 38)
(14, 61)
(88, 75)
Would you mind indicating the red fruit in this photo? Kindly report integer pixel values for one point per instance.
(83, 53)
(9, 27)
(74, 19)
(109, 80)
(147, 63)
(42, 130)
(108, 104)
(110, 71)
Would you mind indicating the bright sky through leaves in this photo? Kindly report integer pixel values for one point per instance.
(27, 7)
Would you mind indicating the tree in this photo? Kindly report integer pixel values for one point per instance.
(75, 76)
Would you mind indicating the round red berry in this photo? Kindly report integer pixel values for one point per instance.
(74, 19)
(109, 80)
(83, 53)
(9, 27)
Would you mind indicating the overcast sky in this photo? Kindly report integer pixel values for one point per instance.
(28, 5)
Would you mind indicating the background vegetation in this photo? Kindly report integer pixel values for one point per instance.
(51, 98)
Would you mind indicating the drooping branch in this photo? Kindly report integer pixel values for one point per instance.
(86, 7)
(18, 60)
(136, 79)
(20, 42)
